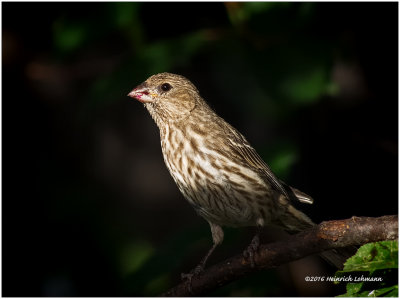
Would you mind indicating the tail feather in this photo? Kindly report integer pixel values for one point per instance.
(302, 197)
(296, 195)
(294, 221)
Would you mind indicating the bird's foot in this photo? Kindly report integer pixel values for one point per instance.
(252, 249)
(187, 277)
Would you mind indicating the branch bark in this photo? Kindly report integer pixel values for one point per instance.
(322, 237)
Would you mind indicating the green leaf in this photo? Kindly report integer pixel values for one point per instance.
(374, 256)
(386, 292)
(394, 292)
(370, 269)
(353, 290)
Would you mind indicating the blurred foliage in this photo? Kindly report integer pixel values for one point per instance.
(374, 268)
(300, 80)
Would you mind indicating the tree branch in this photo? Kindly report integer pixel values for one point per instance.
(322, 237)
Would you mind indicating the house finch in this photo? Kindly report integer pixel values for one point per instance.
(218, 172)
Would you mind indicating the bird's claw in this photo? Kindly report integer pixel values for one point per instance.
(187, 277)
(252, 249)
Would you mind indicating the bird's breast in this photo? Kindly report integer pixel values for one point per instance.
(220, 189)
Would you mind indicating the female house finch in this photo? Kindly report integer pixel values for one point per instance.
(215, 168)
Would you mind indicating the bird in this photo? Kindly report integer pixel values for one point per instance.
(216, 169)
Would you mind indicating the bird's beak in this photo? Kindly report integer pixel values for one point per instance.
(142, 94)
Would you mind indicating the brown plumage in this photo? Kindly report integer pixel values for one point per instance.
(215, 168)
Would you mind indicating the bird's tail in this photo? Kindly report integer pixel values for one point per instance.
(294, 221)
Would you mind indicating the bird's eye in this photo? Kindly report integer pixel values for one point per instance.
(166, 87)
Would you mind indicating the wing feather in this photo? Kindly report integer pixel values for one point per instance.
(246, 152)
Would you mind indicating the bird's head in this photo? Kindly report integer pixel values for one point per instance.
(168, 97)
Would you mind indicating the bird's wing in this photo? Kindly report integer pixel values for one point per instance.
(242, 147)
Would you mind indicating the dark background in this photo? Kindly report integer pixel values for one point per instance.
(88, 206)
